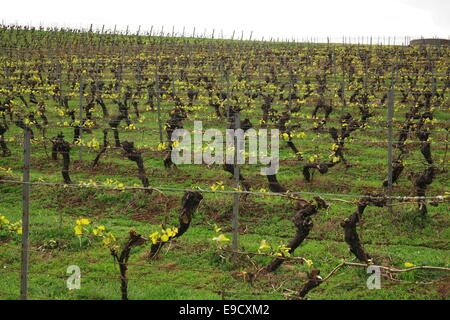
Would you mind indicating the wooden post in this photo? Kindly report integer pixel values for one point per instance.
(25, 216)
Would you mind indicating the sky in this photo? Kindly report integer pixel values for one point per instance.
(284, 19)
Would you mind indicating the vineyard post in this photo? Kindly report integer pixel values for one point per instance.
(236, 173)
(158, 105)
(81, 115)
(365, 73)
(235, 222)
(291, 90)
(101, 38)
(389, 156)
(433, 78)
(25, 215)
(334, 70)
(343, 102)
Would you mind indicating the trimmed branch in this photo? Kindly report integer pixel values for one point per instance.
(349, 224)
(304, 224)
(191, 201)
(122, 259)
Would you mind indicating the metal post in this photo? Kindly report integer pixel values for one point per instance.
(25, 216)
(343, 102)
(158, 106)
(235, 222)
(389, 157)
(81, 116)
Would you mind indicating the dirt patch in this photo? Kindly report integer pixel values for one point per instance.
(158, 206)
(327, 227)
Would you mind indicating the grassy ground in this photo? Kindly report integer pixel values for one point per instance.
(191, 267)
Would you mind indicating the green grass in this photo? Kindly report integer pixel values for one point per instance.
(391, 240)
(191, 267)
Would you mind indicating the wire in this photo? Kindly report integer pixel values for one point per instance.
(287, 194)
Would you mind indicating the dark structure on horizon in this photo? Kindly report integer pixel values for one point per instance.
(430, 41)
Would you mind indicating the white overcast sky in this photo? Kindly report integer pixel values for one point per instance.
(283, 18)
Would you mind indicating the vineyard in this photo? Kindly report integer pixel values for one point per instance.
(87, 178)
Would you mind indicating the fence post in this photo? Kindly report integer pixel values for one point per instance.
(25, 215)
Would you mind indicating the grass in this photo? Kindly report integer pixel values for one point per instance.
(392, 240)
(191, 267)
